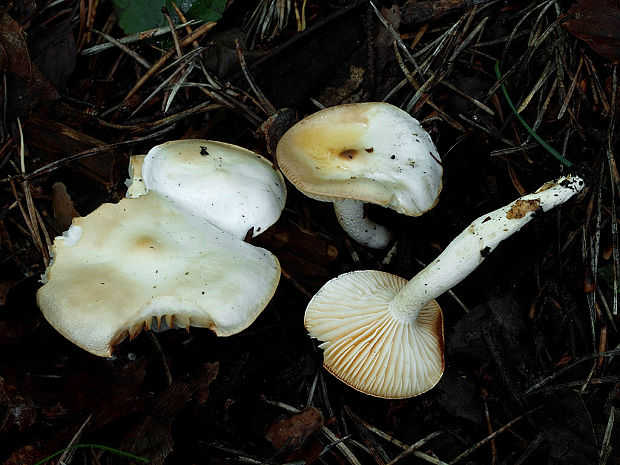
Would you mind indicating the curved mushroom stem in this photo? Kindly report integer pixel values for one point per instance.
(350, 214)
(469, 249)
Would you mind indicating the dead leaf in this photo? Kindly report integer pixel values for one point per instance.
(18, 408)
(54, 51)
(152, 438)
(275, 126)
(26, 454)
(290, 433)
(64, 210)
(597, 22)
(26, 86)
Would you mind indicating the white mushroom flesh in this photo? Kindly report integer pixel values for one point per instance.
(135, 184)
(351, 216)
(481, 237)
(142, 259)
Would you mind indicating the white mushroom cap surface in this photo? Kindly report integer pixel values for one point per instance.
(230, 187)
(374, 152)
(365, 346)
(124, 264)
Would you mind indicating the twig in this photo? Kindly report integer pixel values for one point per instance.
(397, 38)
(89, 153)
(202, 30)
(70, 450)
(605, 447)
(569, 94)
(615, 184)
(549, 68)
(414, 447)
(531, 448)
(585, 358)
(494, 435)
(136, 37)
(396, 442)
(124, 48)
(373, 447)
(267, 107)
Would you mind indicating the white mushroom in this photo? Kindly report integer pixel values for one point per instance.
(383, 335)
(135, 183)
(364, 152)
(125, 264)
(230, 187)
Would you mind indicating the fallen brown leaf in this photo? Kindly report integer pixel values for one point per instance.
(290, 433)
(26, 86)
(152, 438)
(64, 210)
(597, 22)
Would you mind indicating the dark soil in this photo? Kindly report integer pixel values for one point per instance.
(531, 369)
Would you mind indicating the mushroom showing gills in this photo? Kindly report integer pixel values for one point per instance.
(141, 260)
(363, 152)
(228, 186)
(383, 335)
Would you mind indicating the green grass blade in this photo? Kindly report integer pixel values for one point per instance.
(539, 139)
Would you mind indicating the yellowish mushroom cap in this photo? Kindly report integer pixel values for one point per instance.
(368, 348)
(373, 152)
(125, 264)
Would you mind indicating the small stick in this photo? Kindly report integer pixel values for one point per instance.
(267, 107)
(87, 153)
(493, 435)
(396, 442)
(202, 30)
(414, 447)
(564, 369)
(137, 37)
(124, 48)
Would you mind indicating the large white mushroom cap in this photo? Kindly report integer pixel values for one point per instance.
(373, 152)
(229, 186)
(125, 264)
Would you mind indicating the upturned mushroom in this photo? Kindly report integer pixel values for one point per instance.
(363, 152)
(141, 260)
(383, 335)
(229, 186)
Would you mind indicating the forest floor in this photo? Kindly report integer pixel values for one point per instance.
(532, 372)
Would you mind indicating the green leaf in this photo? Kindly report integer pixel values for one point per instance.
(207, 10)
(139, 15)
(142, 15)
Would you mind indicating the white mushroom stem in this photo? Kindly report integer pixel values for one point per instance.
(350, 214)
(469, 249)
